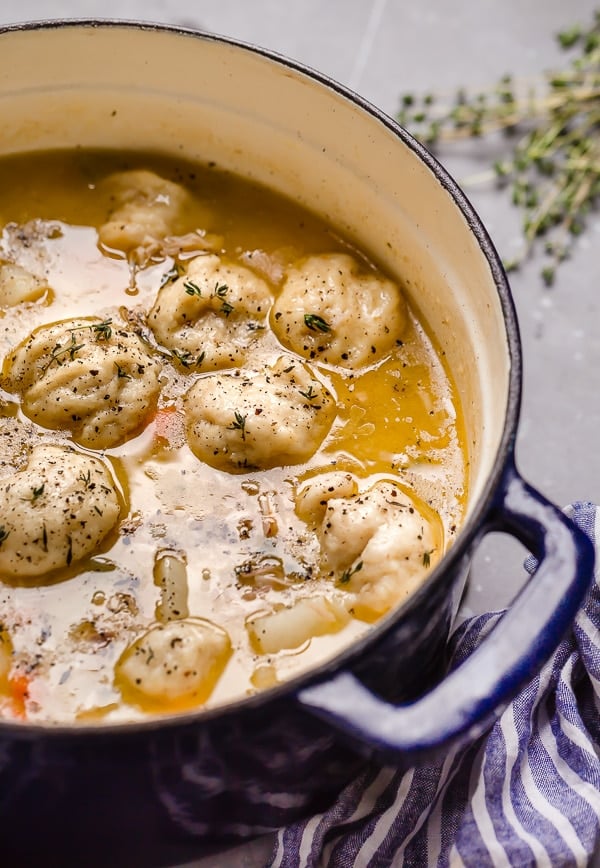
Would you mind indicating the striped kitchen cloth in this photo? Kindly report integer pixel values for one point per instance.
(525, 794)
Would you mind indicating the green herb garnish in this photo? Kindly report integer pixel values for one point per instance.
(310, 393)
(102, 330)
(61, 350)
(239, 424)
(220, 291)
(122, 374)
(347, 574)
(550, 162)
(37, 492)
(192, 288)
(185, 358)
(316, 323)
(85, 478)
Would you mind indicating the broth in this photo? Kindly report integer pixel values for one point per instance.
(225, 545)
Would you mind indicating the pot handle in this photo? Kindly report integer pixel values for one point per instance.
(465, 703)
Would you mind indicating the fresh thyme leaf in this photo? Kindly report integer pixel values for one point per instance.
(221, 290)
(192, 288)
(347, 574)
(60, 350)
(122, 374)
(316, 323)
(550, 159)
(239, 424)
(310, 393)
(185, 358)
(427, 558)
(37, 492)
(102, 330)
(4, 534)
(85, 478)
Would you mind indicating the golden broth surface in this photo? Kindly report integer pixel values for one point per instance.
(397, 419)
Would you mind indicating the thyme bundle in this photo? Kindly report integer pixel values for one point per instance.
(550, 159)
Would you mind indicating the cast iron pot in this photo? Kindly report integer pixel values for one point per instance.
(168, 789)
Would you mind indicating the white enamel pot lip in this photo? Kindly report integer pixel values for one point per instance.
(476, 521)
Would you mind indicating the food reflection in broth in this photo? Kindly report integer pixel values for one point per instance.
(227, 444)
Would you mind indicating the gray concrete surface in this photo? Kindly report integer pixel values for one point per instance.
(382, 49)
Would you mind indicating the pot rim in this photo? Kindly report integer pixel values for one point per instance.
(476, 520)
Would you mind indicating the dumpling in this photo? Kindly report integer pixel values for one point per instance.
(55, 511)
(176, 664)
(331, 310)
(89, 376)
(146, 208)
(378, 544)
(211, 315)
(314, 494)
(249, 420)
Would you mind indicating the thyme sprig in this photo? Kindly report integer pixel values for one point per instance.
(347, 574)
(85, 478)
(220, 291)
(550, 160)
(316, 323)
(36, 492)
(192, 289)
(122, 374)
(310, 393)
(187, 359)
(239, 424)
(102, 331)
(60, 351)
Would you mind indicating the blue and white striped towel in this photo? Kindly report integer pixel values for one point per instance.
(526, 794)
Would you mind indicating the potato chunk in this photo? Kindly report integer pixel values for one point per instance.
(146, 208)
(17, 285)
(379, 546)
(174, 665)
(88, 376)
(294, 625)
(252, 420)
(211, 315)
(55, 511)
(332, 311)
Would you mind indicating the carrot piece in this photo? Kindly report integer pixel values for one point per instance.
(19, 693)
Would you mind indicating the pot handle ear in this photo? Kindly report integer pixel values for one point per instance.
(466, 702)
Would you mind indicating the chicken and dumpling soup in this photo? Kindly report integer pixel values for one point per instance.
(227, 443)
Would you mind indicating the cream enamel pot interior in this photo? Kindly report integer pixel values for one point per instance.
(152, 793)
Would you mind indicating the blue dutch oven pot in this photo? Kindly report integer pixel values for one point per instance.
(169, 789)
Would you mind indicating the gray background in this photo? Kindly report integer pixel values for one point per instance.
(381, 50)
